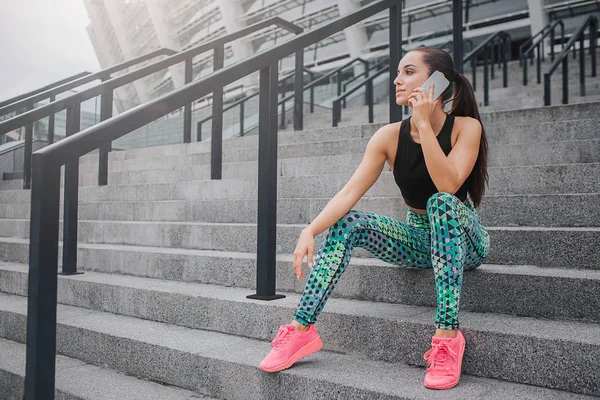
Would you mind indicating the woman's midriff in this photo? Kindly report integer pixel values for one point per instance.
(422, 212)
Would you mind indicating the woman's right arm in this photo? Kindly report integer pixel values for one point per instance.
(364, 177)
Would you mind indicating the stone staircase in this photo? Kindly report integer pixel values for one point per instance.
(514, 97)
(169, 257)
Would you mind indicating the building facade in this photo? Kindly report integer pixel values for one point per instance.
(124, 29)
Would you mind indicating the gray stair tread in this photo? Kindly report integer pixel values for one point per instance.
(240, 182)
(531, 270)
(78, 379)
(347, 372)
(14, 222)
(500, 323)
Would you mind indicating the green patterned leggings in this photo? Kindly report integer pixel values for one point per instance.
(449, 238)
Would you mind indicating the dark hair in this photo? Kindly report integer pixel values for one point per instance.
(463, 104)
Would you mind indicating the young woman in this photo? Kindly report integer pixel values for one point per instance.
(437, 158)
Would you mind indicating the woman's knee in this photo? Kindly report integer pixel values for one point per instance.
(346, 225)
(437, 200)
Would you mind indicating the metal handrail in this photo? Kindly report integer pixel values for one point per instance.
(42, 89)
(311, 85)
(368, 82)
(592, 23)
(242, 101)
(547, 30)
(485, 47)
(103, 75)
(106, 89)
(336, 72)
(47, 163)
(365, 74)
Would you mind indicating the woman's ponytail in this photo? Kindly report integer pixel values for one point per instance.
(464, 104)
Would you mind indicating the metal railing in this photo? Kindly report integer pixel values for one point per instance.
(42, 89)
(27, 104)
(539, 46)
(563, 57)
(368, 82)
(372, 67)
(47, 163)
(241, 103)
(337, 73)
(51, 93)
(498, 42)
(106, 89)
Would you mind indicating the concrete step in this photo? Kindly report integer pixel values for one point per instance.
(562, 210)
(133, 172)
(77, 380)
(523, 290)
(171, 354)
(520, 180)
(501, 119)
(543, 246)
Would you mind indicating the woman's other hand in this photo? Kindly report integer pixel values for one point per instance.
(305, 246)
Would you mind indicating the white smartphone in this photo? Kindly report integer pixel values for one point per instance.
(441, 84)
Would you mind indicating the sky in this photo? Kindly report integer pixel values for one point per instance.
(42, 41)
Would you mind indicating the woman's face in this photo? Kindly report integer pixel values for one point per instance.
(412, 73)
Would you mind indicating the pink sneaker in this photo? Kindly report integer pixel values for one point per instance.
(444, 362)
(289, 346)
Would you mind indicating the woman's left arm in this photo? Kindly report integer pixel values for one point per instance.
(448, 173)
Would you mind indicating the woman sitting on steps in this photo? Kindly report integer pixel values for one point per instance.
(437, 158)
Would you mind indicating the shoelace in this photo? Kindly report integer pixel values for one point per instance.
(437, 358)
(282, 337)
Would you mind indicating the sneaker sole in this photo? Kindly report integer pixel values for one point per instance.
(304, 351)
(452, 384)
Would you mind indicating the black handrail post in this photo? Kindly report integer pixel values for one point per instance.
(594, 44)
(582, 65)
(565, 81)
(28, 150)
(298, 92)
(267, 187)
(539, 64)
(42, 285)
(486, 85)
(217, 119)
(457, 23)
(70, 217)
(199, 131)
(187, 110)
(547, 89)
(506, 55)
(370, 101)
(106, 108)
(339, 82)
(474, 70)
(395, 32)
(336, 117)
(492, 52)
(242, 118)
(51, 123)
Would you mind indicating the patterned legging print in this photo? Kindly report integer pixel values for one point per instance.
(449, 238)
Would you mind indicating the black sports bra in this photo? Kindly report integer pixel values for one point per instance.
(410, 171)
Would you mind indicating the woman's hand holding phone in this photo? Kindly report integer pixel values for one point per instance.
(422, 104)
